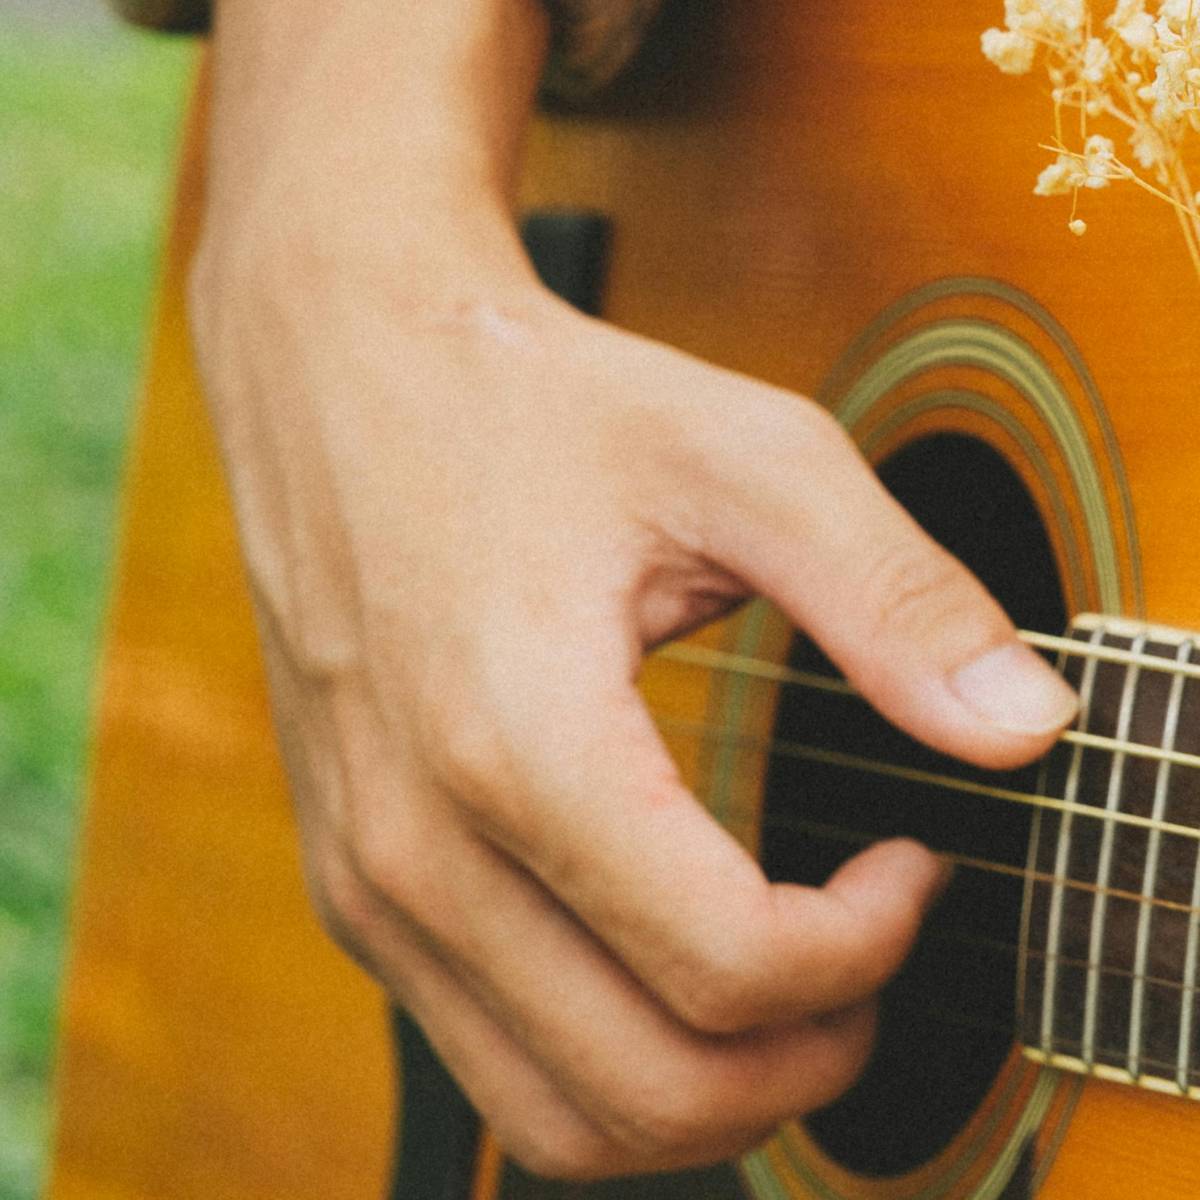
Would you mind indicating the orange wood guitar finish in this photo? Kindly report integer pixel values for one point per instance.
(788, 171)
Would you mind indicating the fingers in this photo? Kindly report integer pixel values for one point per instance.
(792, 508)
(592, 805)
(487, 955)
(579, 1070)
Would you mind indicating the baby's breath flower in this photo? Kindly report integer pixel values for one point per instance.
(1148, 146)
(1099, 165)
(1060, 178)
(1177, 12)
(1137, 31)
(1024, 16)
(1096, 61)
(1125, 12)
(1141, 77)
(1168, 91)
(1011, 52)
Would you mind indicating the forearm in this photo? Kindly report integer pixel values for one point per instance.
(362, 124)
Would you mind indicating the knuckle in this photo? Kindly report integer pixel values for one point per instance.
(717, 999)
(822, 429)
(383, 870)
(853, 1048)
(724, 990)
(471, 756)
(343, 905)
(467, 736)
(916, 590)
(668, 1124)
(676, 1109)
(562, 1151)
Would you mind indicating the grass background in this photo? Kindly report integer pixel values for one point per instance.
(88, 117)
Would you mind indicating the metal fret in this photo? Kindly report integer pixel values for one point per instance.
(1032, 858)
(1104, 866)
(1150, 874)
(1183, 1074)
(1062, 855)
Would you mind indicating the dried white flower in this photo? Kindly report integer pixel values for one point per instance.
(1013, 53)
(1140, 78)
(1096, 61)
(1054, 19)
(1177, 13)
(1170, 87)
(1060, 178)
(1148, 146)
(1024, 15)
(1065, 18)
(1099, 161)
(1137, 32)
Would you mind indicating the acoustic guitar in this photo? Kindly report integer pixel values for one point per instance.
(835, 198)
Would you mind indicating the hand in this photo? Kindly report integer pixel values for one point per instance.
(467, 511)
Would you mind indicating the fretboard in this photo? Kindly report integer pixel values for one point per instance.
(1111, 937)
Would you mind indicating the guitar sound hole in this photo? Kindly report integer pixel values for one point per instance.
(947, 1022)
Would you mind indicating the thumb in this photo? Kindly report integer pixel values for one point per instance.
(802, 518)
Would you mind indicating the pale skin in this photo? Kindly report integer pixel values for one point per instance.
(467, 512)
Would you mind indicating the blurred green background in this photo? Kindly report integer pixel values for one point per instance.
(88, 118)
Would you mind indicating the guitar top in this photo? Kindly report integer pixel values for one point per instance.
(836, 198)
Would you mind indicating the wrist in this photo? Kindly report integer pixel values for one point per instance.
(365, 111)
(370, 147)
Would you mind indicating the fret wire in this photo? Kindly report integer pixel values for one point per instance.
(988, 866)
(1184, 1057)
(1162, 777)
(836, 758)
(1032, 855)
(720, 660)
(1062, 856)
(1091, 1006)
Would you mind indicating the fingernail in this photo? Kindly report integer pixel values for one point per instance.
(1014, 688)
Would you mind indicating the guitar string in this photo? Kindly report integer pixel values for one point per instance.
(997, 946)
(943, 1013)
(1113, 654)
(1068, 646)
(720, 660)
(735, 664)
(870, 766)
(834, 833)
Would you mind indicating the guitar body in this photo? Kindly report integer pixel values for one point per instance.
(835, 198)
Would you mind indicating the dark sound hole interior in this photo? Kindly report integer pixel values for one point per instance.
(947, 1021)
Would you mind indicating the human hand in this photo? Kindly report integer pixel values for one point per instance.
(467, 511)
